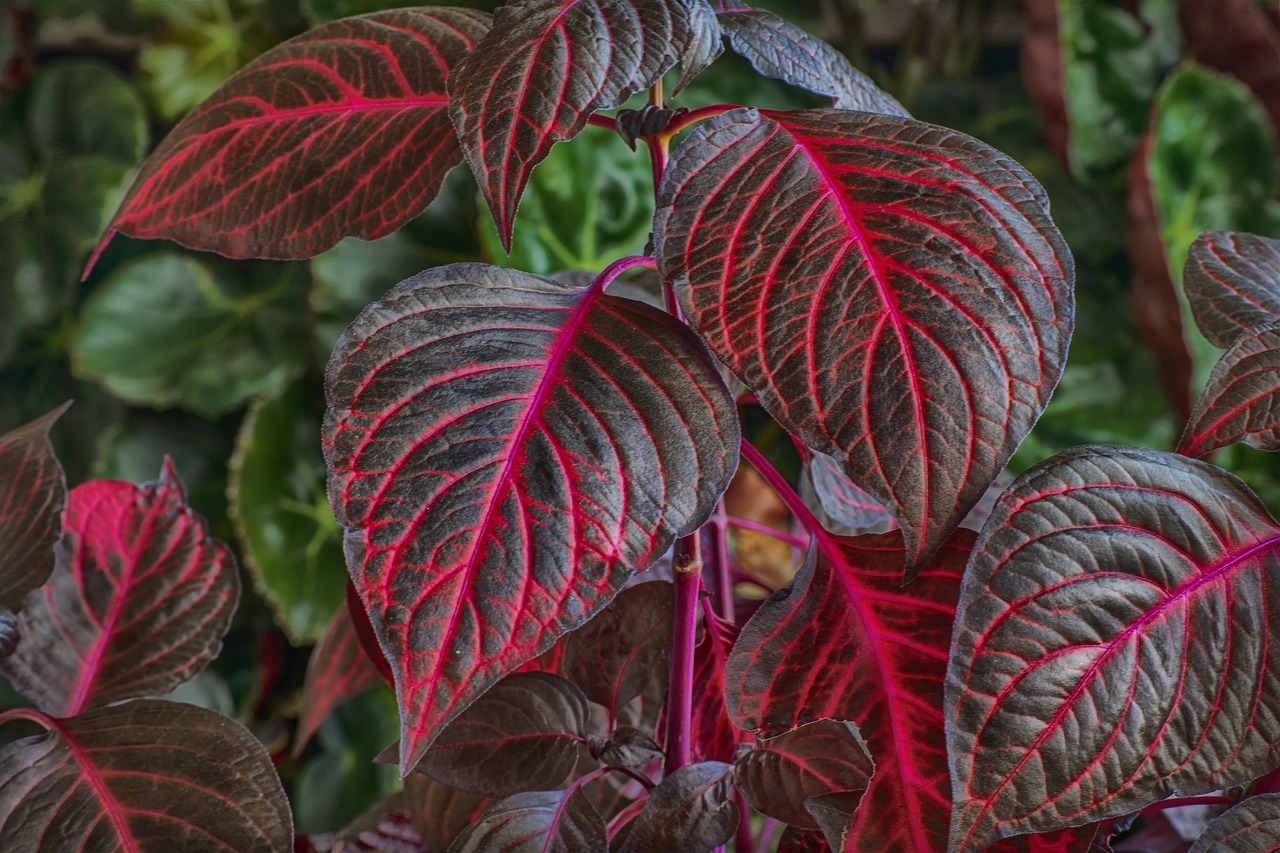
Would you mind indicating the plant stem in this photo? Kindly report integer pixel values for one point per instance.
(783, 489)
(607, 122)
(719, 525)
(760, 527)
(31, 714)
(620, 266)
(687, 562)
(694, 116)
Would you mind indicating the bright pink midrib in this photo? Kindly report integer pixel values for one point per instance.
(1054, 721)
(100, 790)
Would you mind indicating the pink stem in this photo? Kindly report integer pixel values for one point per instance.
(597, 120)
(620, 266)
(41, 719)
(694, 116)
(783, 489)
(768, 530)
(688, 574)
(743, 842)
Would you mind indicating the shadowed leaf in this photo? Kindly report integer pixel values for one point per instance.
(1235, 36)
(32, 493)
(713, 736)
(1252, 826)
(338, 670)
(1115, 642)
(1241, 400)
(626, 747)
(440, 813)
(138, 603)
(1232, 281)
(692, 811)
(536, 822)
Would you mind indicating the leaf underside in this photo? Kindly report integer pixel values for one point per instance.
(505, 450)
(1116, 642)
(1233, 283)
(32, 493)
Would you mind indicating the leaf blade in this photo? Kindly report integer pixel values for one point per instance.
(33, 491)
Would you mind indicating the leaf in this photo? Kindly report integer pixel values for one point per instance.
(1236, 37)
(480, 424)
(626, 747)
(780, 50)
(848, 508)
(545, 66)
(536, 822)
(137, 776)
(921, 265)
(523, 734)
(878, 659)
(138, 603)
(33, 490)
(338, 670)
(86, 107)
(169, 329)
(834, 813)
(1241, 400)
(624, 647)
(1115, 643)
(1250, 826)
(713, 736)
(782, 773)
(439, 812)
(796, 840)
(291, 543)
(280, 161)
(1232, 281)
(691, 810)
(393, 834)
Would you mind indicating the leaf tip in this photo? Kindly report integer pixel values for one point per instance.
(97, 253)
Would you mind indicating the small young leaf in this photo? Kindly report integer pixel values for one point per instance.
(1232, 281)
(925, 315)
(779, 49)
(536, 822)
(32, 493)
(338, 670)
(1251, 826)
(137, 778)
(340, 131)
(782, 773)
(523, 734)
(626, 747)
(1116, 640)
(1241, 400)
(138, 604)
(505, 450)
(692, 811)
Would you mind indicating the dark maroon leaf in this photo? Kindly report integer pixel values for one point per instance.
(32, 493)
(142, 777)
(1077, 839)
(1232, 281)
(923, 319)
(439, 812)
(779, 49)
(1116, 641)
(713, 735)
(692, 811)
(781, 773)
(847, 641)
(1241, 400)
(1043, 75)
(339, 132)
(138, 604)
(1235, 36)
(624, 647)
(365, 634)
(522, 735)
(393, 834)
(833, 812)
(1252, 826)
(536, 822)
(338, 670)
(546, 65)
(506, 450)
(627, 747)
(797, 840)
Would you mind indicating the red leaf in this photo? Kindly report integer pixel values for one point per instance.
(32, 493)
(440, 813)
(341, 131)
(546, 65)
(1235, 36)
(138, 603)
(877, 659)
(365, 634)
(923, 318)
(713, 736)
(338, 670)
(142, 777)
(1232, 281)
(1241, 400)
(536, 822)
(505, 451)
(1116, 641)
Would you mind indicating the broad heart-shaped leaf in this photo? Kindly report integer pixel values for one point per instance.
(138, 603)
(546, 65)
(1251, 826)
(1116, 641)
(505, 451)
(845, 640)
(692, 811)
(893, 292)
(779, 49)
(1241, 400)
(338, 670)
(536, 822)
(781, 773)
(32, 493)
(524, 734)
(141, 777)
(339, 132)
(1232, 281)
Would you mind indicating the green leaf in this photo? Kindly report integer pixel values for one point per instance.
(588, 203)
(281, 514)
(169, 329)
(86, 107)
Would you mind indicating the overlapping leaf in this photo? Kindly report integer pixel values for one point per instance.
(924, 313)
(691, 810)
(32, 493)
(779, 49)
(339, 132)
(338, 670)
(505, 450)
(1232, 281)
(536, 822)
(141, 777)
(1241, 400)
(1252, 826)
(1116, 640)
(546, 65)
(847, 507)
(138, 604)
(440, 813)
(713, 736)
(847, 641)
